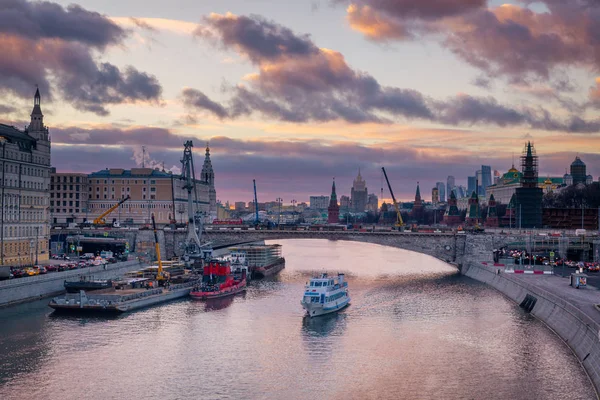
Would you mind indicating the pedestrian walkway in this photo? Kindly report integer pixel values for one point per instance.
(583, 299)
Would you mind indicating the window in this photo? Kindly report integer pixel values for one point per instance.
(153, 189)
(152, 197)
(77, 181)
(70, 195)
(58, 195)
(70, 179)
(64, 187)
(76, 204)
(143, 189)
(153, 182)
(71, 203)
(70, 187)
(105, 181)
(76, 195)
(97, 196)
(144, 182)
(105, 197)
(144, 197)
(77, 187)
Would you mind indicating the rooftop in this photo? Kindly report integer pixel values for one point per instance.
(14, 133)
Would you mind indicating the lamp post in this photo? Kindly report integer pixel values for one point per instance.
(279, 201)
(3, 141)
(37, 241)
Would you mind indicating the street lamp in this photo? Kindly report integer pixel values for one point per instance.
(3, 141)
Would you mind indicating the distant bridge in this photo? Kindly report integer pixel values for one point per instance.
(449, 247)
(457, 249)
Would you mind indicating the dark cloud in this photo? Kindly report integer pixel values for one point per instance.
(5, 109)
(111, 135)
(254, 36)
(473, 110)
(482, 82)
(289, 169)
(508, 40)
(54, 48)
(196, 99)
(46, 20)
(318, 85)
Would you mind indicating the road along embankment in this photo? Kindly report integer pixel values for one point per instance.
(20, 290)
(579, 330)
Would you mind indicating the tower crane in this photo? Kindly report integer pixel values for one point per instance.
(256, 220)
(399, 222)
(100, 220)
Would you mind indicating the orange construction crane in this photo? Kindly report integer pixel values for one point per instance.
(100, 220)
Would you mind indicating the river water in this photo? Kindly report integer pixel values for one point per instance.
(415, 330)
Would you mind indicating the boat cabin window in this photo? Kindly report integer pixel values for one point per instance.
(331, 282)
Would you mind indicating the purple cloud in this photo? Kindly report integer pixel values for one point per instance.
(299, 82)
(43, 44)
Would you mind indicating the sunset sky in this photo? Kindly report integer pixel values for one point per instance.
(293, 93)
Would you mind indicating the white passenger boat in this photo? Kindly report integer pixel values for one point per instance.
(324, 295)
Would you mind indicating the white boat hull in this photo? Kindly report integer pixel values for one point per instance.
(316, 309)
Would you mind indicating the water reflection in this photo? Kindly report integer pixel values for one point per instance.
(415, 330)
(324, 325)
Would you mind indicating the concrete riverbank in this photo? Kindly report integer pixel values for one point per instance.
(20, 290)
(567, 311)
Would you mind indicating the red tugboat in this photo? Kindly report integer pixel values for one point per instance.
(219, 281)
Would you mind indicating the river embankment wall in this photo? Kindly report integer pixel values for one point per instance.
(20, 290)
(577, 329)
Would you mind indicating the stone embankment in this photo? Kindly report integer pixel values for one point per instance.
(567, 311)
(20, 290)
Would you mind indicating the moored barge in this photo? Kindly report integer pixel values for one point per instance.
(262, 260)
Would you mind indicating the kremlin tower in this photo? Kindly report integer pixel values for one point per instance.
(333, 211)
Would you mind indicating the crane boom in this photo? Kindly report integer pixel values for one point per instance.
(399, 222)
(255, 204)
(100, 219)
(159, 275)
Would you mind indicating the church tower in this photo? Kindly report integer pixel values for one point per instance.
(333, 211)
(208, 177)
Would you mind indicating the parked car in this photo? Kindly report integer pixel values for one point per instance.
(30, 271)
(52, 268)
(18, 273)
(41, 269)
(63, 267)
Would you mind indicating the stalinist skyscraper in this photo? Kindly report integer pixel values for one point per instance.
(358, 194)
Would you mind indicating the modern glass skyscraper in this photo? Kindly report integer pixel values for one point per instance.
(450, 183)
(441, 190)
(471, 182)
(486, 178)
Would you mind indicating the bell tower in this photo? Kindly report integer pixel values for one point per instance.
(36, 128)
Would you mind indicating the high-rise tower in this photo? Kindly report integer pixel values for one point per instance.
(333, 211)
(358, 194)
